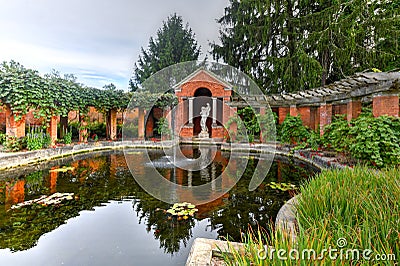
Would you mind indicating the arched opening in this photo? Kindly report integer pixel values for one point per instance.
(202, 97)
(151, 128)
(202, 92)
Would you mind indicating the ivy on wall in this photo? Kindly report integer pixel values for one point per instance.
(23, 89)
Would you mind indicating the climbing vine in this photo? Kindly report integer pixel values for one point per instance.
(21, 89)
(147, 100)
(24, 89)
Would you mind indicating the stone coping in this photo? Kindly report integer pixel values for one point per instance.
(286, 217)
(204, 251)
(17, 159)
(307, 156)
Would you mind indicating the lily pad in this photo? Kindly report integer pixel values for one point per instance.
(182, 210)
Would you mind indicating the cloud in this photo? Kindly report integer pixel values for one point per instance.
(102, 37)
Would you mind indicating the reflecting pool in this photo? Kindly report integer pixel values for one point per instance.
(111, 220)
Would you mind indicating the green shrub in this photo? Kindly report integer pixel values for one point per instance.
(250, 122)
(34, 142)
(336, 134)
(268, 124)
(68, 137)
(130, 128)
(375, 140)
(46, 141)
(14, 144)
(98, 129)
(163, 127)
(36, 139)
(293, 131)
(240, 134)
(314, 140)
(2, 138)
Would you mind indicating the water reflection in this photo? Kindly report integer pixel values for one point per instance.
(97, 180)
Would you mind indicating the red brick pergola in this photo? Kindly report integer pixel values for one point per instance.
(17, 128)
(345, 97)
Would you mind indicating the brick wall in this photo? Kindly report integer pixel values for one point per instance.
(325, 116)
(2, 120)
(353, 109)
(385, 105)
(339, 109)
(305, 115)
(282, 112)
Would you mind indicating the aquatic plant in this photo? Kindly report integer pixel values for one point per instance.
(183, 210)
(282, 186)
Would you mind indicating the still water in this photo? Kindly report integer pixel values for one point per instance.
(113, 221)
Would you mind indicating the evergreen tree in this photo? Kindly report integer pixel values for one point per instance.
(290, 45)
(173, 44)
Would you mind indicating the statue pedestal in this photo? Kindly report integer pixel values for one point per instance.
(204, 135)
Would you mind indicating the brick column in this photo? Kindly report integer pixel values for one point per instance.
(305, 115)
(385, 105)
(233, 126)
(52, 130)
(325, 116)
(226, 110)
(113, 124)
(353, 109)
(293, 110)
(168, 115)
(83, 133)
(14, 128)
(262, 110)
(141, 127)
(282, 113)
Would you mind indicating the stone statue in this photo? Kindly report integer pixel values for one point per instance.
(205, 112)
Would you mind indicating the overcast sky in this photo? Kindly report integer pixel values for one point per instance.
(97, 40)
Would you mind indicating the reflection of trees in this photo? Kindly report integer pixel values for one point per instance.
(94, 182)
(34, 184)
(170, 232)
(90, 182)
(257, 208)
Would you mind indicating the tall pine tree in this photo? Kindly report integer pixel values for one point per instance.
(174, 43)
(290, 45)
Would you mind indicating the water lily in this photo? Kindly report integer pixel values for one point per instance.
(182, 210)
